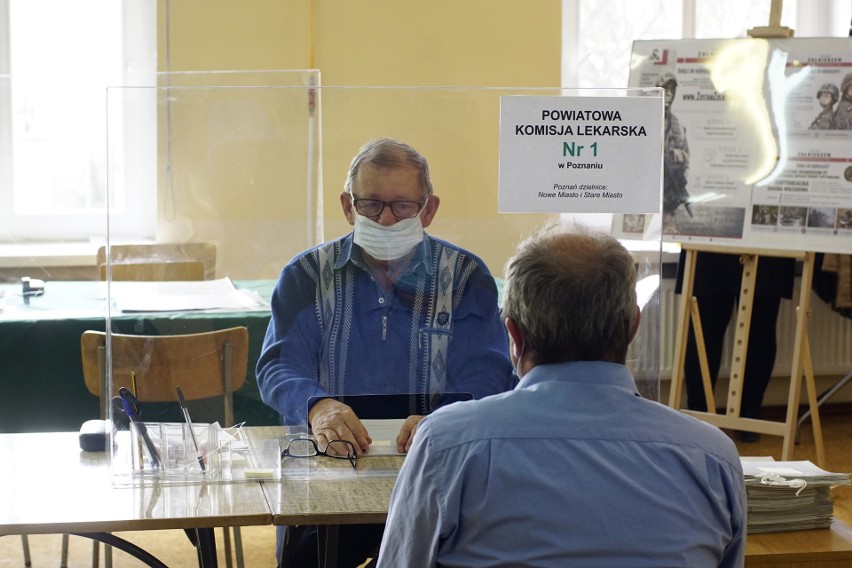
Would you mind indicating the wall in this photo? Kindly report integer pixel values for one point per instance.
(373, 43)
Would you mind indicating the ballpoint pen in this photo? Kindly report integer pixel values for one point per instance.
(130, 408)
(133, 383)
(182, 402)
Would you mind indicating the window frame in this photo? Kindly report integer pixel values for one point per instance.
(131, 201)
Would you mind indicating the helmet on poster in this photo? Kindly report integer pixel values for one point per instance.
(832, 90)
(847, 81)
(666, 80)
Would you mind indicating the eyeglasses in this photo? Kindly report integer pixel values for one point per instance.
(400, 209)
(307, 447)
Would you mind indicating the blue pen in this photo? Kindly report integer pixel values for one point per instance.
(129, 403)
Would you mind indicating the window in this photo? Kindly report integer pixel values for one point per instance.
(54, 69)
(597, 35)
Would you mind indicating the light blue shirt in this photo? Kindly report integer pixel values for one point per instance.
(572, 468)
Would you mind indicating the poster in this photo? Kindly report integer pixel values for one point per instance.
(758, 142)
(581, 154)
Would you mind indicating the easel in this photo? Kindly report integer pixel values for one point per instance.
(775, 29)
(689, 312)
(802, 363)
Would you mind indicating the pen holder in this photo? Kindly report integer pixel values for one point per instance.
(171, 450)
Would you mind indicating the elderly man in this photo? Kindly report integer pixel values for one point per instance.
(573, 467)
(386, 309)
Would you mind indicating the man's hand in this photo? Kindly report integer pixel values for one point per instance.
(333, 420)
(406, 433)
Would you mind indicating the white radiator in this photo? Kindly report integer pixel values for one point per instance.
(830, 336)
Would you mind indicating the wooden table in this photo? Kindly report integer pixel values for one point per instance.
(800, 549)
(48, 485)
(365, 499)
(333, 495)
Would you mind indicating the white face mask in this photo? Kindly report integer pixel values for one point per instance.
(388, 243)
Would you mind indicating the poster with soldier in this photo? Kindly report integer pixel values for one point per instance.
(758, 141)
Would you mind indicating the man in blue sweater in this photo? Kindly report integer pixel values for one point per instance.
(386, 309)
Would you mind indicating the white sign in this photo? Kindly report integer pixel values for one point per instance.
(581, 154)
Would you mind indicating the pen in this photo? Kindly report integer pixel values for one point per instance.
(182, 402)
(128, 401)
(133, 383)
(135, 399)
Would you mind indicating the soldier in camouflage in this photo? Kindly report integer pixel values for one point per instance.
(675, 156)
(843, 114)
(827, 97)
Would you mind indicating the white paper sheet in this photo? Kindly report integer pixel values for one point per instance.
(178, 296)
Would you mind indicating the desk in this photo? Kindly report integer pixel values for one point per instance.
(47, 485)
(357, 499)
(799, 549)
(366, 500)
(41, 376)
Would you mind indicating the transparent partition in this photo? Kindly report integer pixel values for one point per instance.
(335, 307)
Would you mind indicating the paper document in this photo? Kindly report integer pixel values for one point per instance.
(803, 468)
(383, 433)
(178, 296)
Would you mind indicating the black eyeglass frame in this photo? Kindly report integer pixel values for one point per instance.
(351, 455)
(392, 204)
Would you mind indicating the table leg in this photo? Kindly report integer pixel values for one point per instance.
(327, 536)
(204, 540)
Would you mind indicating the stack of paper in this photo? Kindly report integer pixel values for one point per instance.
(177, 296)
(789, 495)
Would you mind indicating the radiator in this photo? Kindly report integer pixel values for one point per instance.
(829, 333)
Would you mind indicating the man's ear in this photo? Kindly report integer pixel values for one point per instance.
(636, 321)
(348, 209)
(429, 211)
(515, 337)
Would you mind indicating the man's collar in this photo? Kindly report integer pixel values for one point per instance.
(600, 373)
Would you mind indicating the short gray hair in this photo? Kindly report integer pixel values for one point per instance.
(390, 153)
(572, 294)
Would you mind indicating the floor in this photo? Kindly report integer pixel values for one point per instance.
(174, 549)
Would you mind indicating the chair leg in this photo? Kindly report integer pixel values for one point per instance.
(25, 542)
(63, 555)
(107, 556)
(96, 554)
(238, 547)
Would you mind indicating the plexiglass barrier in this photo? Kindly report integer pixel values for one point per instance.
(254, 222)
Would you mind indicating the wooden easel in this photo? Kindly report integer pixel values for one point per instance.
(774, 29)
(802, 363)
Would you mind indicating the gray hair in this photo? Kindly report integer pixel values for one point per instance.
(389, 153)
(572, 294)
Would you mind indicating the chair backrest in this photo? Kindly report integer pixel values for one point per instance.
(160, 261)
(204, 365)
(155, 271)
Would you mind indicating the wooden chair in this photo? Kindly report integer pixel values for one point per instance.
(159, 261)
(205, 365)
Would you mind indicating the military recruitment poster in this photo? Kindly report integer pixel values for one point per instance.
(758, 141)
(581, 154)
